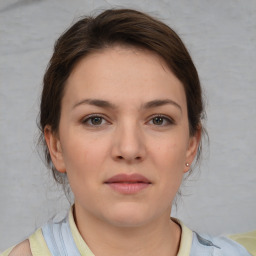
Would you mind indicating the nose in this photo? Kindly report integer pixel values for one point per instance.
(129, 143)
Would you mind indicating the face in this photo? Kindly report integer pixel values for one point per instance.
(123, 136)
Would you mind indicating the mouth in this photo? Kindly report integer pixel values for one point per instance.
(128, 183)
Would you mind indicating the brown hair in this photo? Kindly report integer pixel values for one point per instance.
(119, 26)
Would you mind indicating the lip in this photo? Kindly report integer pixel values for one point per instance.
(128, 183)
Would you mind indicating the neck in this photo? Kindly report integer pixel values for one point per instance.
(159, 237)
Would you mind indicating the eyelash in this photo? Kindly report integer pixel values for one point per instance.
(90, 117)
(167, 120)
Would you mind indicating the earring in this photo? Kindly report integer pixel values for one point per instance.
(187, 164)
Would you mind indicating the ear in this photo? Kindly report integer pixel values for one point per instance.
(55, 149)
(193, 145)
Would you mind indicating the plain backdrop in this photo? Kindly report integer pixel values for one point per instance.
(221, 37)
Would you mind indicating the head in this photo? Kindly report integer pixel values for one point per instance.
(111, 33)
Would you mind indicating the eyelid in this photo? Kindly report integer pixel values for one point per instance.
(169, 119)
(85, 119)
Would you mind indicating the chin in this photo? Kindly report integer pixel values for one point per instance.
(128, 217)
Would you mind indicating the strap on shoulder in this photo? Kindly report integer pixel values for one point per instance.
(58, 237)
(216, 246)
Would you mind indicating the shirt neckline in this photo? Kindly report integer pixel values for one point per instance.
(185, 241)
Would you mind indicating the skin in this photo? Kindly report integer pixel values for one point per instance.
(124, 137)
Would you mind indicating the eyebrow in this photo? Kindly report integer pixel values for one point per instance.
(159, 103)
(147, 105)
(96, 102)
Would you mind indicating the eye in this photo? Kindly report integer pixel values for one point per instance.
(94, 120)
(160, 120)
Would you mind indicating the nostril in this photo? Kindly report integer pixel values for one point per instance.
(121, 157)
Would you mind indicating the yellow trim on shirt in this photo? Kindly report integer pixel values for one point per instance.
(185, 240)
(248, 240)
(38, 245)
(80, 243)
(6, 252)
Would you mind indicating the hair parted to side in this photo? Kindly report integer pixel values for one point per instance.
(123, 27)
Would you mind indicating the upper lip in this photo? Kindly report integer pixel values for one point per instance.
(128, 178)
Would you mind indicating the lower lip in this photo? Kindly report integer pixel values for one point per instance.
(128, 188)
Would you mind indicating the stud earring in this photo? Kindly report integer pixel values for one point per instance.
(187, 164)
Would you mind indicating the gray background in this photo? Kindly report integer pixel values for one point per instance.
(221, 37)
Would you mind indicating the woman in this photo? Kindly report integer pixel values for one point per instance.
(121, 120)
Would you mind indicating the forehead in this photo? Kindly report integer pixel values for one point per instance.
(123, 72)
(120, 58)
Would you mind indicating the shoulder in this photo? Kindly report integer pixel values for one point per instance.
(248, 240)
(21, 249)
(35, 245)
(219, 246)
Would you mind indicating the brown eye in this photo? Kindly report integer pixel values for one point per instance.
(96, 120)
(158, 120)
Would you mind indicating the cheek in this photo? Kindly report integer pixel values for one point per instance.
(85, 159)
(170, 154)
(82, 150)
(169, 161)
